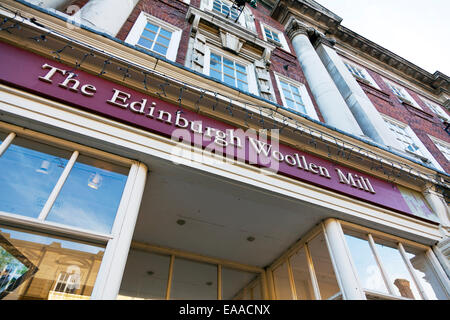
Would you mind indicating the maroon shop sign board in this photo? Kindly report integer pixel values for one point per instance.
(53, 80)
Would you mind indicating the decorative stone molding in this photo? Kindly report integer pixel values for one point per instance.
(196, 16)
(230, 41)
(294, 28)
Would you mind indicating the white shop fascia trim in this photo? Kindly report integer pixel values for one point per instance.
(124, 137)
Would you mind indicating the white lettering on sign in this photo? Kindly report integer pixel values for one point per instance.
(227, 138)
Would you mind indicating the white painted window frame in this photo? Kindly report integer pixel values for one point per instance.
(364, 71)
(438, 142)
(416, 140)
(403, 91)
(436, 109)
(283, 43)
(116, 249)
(251, 76)
(309, 106)
(138, 27)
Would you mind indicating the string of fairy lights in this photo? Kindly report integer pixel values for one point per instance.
(392, 169)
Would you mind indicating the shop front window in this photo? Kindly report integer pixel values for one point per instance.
(50, 183)
(40, 266)
(307, 273)
(28, 173)
(90, 196)
(392, 269)
(149, 275)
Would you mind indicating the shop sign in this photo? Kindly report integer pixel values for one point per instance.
(88, 92)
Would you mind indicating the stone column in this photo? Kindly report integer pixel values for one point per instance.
(106, 15)
(365, 113)
(440, 207)
(331, 104)
(52, 4)
(339, 252)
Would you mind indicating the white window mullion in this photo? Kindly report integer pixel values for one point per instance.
(56, 190)
(412, 272)
(5, 144)
(384, 274)
(312, 274)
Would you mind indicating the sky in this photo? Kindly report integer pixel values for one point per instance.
(416, 30)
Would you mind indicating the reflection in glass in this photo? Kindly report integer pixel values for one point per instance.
(302, 278)
(145, 276)
(365, 263)
(323, 267)
(396, 269)
(90, 196)
(193, 280)
(281, 283)
(235, 285)
(52, 267)
(426, 274)
(28, 173)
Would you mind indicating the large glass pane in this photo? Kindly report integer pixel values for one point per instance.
(28, 173)
(302, 278)
(91, 195)
(323, 267)
(39, 267)
(365, 263)
(145, 276)
(281, 283)
(234, 283)
(425, 272)
(396, 269)
(193, 280)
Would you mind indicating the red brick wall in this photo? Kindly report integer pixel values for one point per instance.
(421, 122)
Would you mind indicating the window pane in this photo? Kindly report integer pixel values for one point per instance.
(365, 263)
(193, 280)
(323, 267)
(37, 266)
(28, 173)
(152, 27)
(145, 276)
(165, 33)
(145, 43)
(90, 196)
(241, 68)
(302, 278)
(243, 86)
(234, 282)
(217, 75)
(281, 283)
(163, 41)
(229, 80)
(150, 35)
(425, 272)
(160, 49)
(396, 269)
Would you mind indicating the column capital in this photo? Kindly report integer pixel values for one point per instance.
(295, 27)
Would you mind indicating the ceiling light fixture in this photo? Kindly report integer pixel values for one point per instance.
(181, 222)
